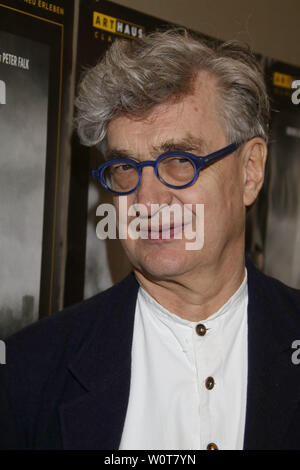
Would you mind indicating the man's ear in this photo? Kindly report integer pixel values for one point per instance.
(254, 155)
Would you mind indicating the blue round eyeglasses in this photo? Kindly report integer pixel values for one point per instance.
(177, 170)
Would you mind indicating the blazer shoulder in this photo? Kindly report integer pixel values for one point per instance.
(38, 358)
(63, 332)
(287, 293)
(282, 302)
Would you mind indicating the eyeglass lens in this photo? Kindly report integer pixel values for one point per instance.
(121, 177)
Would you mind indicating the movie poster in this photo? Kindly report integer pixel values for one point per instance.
(24, 68)
(92, 264)
(31, 87)
(282, 251)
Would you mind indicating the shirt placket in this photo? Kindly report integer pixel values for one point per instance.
(206, 349)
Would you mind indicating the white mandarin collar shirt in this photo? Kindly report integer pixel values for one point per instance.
(187, 391)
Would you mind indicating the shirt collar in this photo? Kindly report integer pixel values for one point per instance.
(176, 323)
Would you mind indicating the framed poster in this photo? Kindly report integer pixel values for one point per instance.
(282, 252)
(31, 77)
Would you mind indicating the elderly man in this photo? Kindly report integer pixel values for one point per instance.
(193, 350)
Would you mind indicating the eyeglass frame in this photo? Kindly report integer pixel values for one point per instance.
(199, 162)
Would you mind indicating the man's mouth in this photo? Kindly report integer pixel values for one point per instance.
(168, 232)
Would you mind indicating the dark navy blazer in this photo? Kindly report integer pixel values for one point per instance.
(66, 381)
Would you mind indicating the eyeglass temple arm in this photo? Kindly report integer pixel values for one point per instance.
(220, 153)
(96, 174)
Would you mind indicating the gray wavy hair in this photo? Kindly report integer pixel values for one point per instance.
(134, 76)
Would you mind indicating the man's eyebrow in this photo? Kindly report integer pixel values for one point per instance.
(181, 145)
(117, 153)
(185, 144)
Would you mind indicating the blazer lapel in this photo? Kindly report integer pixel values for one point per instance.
(95, 419)
(273, 381)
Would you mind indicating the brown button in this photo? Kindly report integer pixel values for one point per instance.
(201, 329)
(212, 446)
(209, 383)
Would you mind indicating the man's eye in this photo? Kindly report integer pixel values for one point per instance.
(123, 167)
(181, 160)
(176, 160)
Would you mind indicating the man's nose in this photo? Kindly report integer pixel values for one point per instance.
(152, 190)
